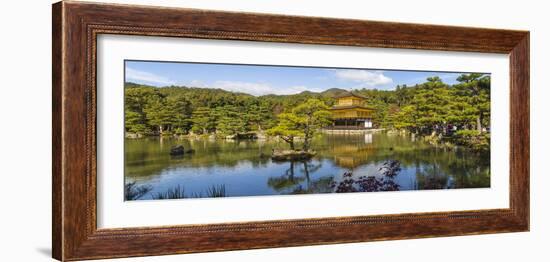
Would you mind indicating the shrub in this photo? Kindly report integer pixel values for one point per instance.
(134, 192)
(473, 139)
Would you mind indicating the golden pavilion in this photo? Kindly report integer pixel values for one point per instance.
(351, 113)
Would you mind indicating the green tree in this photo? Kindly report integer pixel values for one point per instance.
(259, 116)
(475, 90)
(287, 128)
(460, 112)
(203, 120)
(380, 115)
(158, 114)
(402, 95)
(230, 121)
(431, 103)
(303, 121)
(146, 110)
(406, 119)
(135, 100)
(311, 115)
(429, 108)
(135, 122)
(181, 111)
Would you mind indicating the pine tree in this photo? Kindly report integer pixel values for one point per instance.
(158, 114)
(180, 109)
(203, 120)
(303, 121)
(231, 121)
(287, 129)
(312, 116)
(476, 89)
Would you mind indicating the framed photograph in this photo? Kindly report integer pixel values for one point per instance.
(182, 130)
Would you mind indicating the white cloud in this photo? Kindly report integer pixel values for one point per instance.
(364, 77)
(243, 87)
(197, 83)
(133, 75)
(257, 89)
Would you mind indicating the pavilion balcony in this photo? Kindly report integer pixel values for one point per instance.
(347, 128)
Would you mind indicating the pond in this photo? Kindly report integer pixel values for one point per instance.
(343, 163)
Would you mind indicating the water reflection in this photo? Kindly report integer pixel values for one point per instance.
(290, 183)
(382, 181)
(245, 169)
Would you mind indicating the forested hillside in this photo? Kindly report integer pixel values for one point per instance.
(423, 109)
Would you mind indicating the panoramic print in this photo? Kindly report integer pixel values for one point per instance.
(205, 130)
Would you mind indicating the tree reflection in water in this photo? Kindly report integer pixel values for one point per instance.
(287, 180)
(246, 169)
(386, 182)
(290, 183)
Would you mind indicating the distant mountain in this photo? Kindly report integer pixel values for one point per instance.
(329, 93)
(132, 84)
(333, 92)
(186, 89)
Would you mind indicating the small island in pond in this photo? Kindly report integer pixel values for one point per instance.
(221, 130)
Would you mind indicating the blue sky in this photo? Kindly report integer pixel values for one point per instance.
(262, 80)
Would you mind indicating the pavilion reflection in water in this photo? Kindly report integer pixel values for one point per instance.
(352, 155)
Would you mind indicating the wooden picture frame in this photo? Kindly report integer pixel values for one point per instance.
(76, 26)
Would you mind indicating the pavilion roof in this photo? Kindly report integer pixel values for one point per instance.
(348, 94)
(351, 107)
